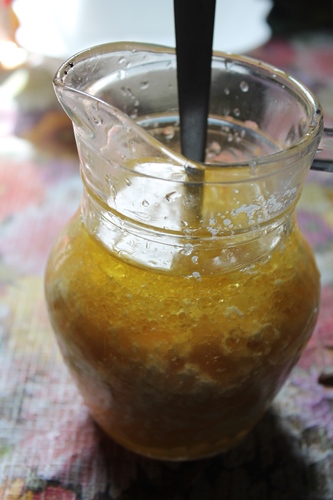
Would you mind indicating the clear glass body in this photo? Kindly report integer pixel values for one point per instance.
(183, 294)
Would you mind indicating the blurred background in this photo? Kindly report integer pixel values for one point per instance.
(60, 28)
(49, 448)
(41, 34)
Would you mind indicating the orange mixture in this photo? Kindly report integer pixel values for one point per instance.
(172, 366)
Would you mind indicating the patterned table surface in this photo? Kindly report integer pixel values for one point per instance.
(49, 446)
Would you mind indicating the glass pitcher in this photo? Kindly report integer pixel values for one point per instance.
(182, 294)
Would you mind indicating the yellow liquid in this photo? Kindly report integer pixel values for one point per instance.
(172, 366)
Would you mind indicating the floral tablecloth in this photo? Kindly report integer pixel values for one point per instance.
(49, 446)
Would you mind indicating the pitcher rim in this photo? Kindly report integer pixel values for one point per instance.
(304, 144)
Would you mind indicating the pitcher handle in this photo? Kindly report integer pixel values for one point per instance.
(323, 159)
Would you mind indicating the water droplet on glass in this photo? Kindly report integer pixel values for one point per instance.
(130, 93)
(236, 111)
(196, 275)
(187, 250)
(215, 147)
(236, 191)
(128, 182)
(145, 203)
(144, 85)
(121, 60)
(244, 86)
(171, 196)
(169, 132)
(195, 259)
(253, 164)
(226, 91)
(113, 193)
(213, 230)
(97, 119)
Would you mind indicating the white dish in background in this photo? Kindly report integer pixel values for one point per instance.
(60, 28)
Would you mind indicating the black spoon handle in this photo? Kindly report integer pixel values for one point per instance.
(194, 27)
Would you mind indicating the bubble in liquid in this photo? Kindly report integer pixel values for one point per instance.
(226, 91)
(195, 259)
(237, 112)
(236, 191)
(244, 86)
(128, 182)
(144, 85)
(196, 275)
(145, 203)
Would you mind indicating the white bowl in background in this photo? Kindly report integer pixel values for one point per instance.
(60, 28)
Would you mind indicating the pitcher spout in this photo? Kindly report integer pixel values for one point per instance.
(100, 91)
